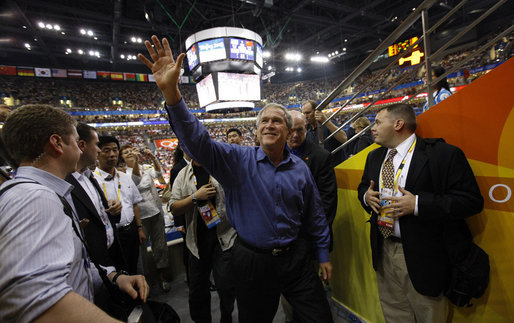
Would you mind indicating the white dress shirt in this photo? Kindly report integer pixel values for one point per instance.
(121, 188)
(402, 153)
(95, 197)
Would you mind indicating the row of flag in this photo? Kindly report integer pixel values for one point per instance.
(77, 74)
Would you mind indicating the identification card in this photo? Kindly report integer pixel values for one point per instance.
(209, 215)
(384, 219)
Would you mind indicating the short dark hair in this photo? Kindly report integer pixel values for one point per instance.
(438, 71)
(27, 130)
(313, 103)
(85, 131)
(104, 140)
(234, 130)
(403, 111)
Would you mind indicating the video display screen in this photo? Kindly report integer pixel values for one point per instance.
(239, 87)
(241, 49)
(206, 91)
(212, 50)
(192, 57)
(258, 55)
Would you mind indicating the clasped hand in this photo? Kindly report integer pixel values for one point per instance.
(399, 206)
(206, 192)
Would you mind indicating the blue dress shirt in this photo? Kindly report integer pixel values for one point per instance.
(266, 204)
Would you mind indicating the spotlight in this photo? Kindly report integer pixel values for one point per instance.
(82, 31)
(48, 26)
(133, 39)
(27, 45)
(266, 54)
(41, 24)
(57, 27)
(299, 69)
(122, 56)
(80, 51)
(90, 33)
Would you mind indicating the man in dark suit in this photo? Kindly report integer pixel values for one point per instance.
(320, 163)
(419, 191)
(98, 219)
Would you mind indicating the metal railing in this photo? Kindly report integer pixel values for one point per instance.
(420, 11)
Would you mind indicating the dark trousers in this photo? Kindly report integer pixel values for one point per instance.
(212, 258)
(261, 278)
(129, 241)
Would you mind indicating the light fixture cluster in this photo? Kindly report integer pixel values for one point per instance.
(128, 57)
(79, 51)
(87, 32)
(48, 26)
(292, 69)
(136, 39)
(296, 57)
(319, 59)
(337, 53)
(27, 46)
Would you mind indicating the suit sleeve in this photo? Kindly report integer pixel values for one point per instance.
(364, 184)
(456, 194)
(327, 187)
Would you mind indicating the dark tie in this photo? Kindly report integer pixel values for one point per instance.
(388, 182)
(99, 190)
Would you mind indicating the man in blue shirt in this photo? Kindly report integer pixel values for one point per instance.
(270, 196)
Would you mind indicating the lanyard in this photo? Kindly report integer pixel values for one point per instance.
(399, 171)
(105, 189)
(196, 183)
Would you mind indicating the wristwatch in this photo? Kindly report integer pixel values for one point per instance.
(193, 198)
(118, 274)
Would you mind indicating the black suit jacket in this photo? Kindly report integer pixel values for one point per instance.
(320, 163)
(447, 191)
(94, 231)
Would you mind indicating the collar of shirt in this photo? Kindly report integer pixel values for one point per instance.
(402, 148)
(56, 184)
(106, 175)
(261, 155)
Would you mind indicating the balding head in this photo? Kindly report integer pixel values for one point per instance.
(299, 128)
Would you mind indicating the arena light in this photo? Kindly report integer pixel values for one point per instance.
(266, 54)
(319, 59)
(270, 68)
(133, 39)
(83, 31)
(122, 56)
(80, 51)
(27, 46)
(90, 33)
(41, 24)
(299, 69)
(57, 27)
(293, 57)
(68, 50)
(49, 26)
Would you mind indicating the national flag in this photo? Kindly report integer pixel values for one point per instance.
(90, 75)
(142, 77)
(7, 70)
(151, 78)
(116, 76)
(103, 75)
(75, 74)
(59, 72)
(129, 76)
(43, 72)
(25, 71)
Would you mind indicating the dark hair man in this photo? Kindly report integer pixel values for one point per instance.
(119, 186)
(270, 195)
(234, 136)
(45, 271)
(316, 118)
(209, 240)
(100, 225)
(418, 192)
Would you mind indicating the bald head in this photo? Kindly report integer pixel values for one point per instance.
(299, 128)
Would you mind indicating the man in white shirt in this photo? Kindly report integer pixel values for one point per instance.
(418, 191)
(119, 186)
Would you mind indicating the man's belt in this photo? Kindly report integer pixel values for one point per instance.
(272, 251)
(127, 227)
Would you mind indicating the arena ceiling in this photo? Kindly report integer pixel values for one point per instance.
(309, 27)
